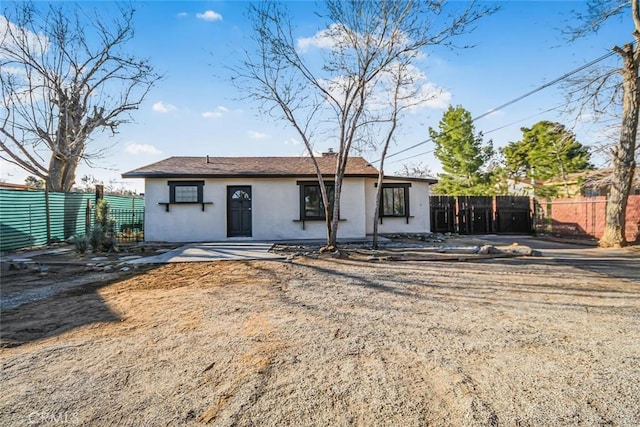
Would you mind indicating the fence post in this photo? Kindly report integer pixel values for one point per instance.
(87, 217)
(532, 217)
(494, 214)
(47, 211)
(456, 216)
(99, 192)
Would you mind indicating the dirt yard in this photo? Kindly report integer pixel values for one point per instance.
(329, 342)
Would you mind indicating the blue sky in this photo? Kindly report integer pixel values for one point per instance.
(195, 111)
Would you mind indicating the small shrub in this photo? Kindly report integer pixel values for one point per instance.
(109, 242)
(102, 214)
(95, 237)
(80, 243)
(101, 241)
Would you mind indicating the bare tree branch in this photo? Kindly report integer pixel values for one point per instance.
(58, 88)
(334, 101)
(604, 89)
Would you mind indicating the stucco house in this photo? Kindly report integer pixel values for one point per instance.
(197, 199)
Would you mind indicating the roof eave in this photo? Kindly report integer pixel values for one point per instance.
(145, 175)
(411, 178)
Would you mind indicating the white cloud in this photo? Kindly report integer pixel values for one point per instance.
(36, 43)
(323, 39)
(416, 93)
(337, 34)
(135, 149)
(209, 15)
(292, 141)
(161, 107)
(431, 96)
(217, 113)
(182, 15)
(14, 70)
(257, 135)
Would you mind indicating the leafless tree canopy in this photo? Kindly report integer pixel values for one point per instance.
(605, 90)
(64, 76)
(416, 170)
(364, 78)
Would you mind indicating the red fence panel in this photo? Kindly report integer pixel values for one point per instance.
(584, 217)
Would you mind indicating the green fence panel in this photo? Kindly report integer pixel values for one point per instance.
(22, 219)
(124, 202)
(23, 215)
(68, 213)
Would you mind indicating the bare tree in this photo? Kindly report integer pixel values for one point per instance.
(64, 77)
(404, 94)
(416, 170)
(334, 102)
(600, 90)
(398, 82)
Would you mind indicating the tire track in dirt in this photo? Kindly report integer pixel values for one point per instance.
(342, 342)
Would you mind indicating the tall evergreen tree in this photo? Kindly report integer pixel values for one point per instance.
(546, 151)
(463, 155)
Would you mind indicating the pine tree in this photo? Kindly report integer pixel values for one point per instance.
(546, 151)
(463, 155)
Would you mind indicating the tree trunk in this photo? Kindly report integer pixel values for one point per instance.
(56, 173)
(333, 235)
(69, 178)
(624, 153)
(328, 221)
(376, 209)
(62, 174)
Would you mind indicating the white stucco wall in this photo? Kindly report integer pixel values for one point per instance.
(418, 209)
(275, 206)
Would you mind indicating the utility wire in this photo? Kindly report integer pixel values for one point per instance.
(563, 104)
(488, 132)
(506, 104)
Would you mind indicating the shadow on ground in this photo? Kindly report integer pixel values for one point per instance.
(59, 313)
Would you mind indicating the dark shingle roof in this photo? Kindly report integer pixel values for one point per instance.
(226, 167)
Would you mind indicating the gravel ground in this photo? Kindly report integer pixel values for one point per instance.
(330, 342)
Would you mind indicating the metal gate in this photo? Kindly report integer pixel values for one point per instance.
(475, 214)
(443, 214)
(128, 224)
(481, 214)
(513, 214)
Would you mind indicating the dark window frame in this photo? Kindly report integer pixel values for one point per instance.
(172, 190)
(303, 185)
(407, 204)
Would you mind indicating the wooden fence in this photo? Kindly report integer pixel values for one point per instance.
(480, 215)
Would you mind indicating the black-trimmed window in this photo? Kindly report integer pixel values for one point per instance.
(395, 200)
(311, 204)
(185, 191)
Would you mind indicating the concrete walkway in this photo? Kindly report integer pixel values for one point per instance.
(204, 252)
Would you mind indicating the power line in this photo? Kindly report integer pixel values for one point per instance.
(506, 104)
(488, 132)
(498, 128)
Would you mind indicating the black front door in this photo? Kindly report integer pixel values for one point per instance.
(239, 211)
